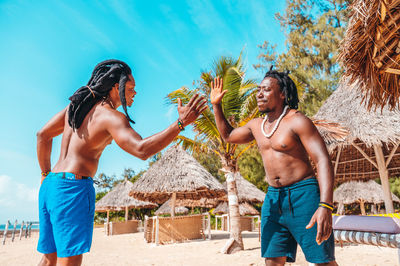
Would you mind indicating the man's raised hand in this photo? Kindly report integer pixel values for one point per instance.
(217, 94)
(189, 112)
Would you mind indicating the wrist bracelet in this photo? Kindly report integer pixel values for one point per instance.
(326, 206)
(45, 174)
(180, 125)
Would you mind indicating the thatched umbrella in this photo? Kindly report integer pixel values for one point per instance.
(203, 203)
(360, 192)
(371, 149)
(244, 209)
(118, 199)
(370, 50)
(176, 175)
(166, 209)
(247, 192)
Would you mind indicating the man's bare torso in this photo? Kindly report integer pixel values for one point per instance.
(81, 150)
(284, 157)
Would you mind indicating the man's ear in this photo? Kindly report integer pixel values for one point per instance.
(116, 85)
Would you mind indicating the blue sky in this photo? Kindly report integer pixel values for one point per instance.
(49, 48)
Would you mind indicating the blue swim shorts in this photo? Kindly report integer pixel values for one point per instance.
(285, 214)
(66, 213)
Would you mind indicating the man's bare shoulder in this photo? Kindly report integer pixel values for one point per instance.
(299, 121)
(106, 114)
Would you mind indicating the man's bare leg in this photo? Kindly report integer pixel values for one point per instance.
(70, 261)
(49, 259)
(278, 261)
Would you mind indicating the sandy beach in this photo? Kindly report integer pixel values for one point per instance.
(130, 249)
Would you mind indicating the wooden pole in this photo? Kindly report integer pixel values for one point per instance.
(209, 226)
(362, 207)
(126, 213)
(20, 230)
(384, 176)
(173, 199)
(13, 233)
(108, 223)
(5, 232)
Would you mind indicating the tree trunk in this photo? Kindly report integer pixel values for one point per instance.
(235, 243)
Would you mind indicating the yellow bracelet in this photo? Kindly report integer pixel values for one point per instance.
(45, 174)
(326, 206)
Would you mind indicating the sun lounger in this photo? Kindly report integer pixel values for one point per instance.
(369, 230)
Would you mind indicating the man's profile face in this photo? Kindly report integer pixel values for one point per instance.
(269, 95)
(130, 90)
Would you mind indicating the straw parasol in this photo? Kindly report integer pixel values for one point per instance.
(247, 192)
(360, 192)
(166, 209)
(370, 50)
(118, 199)
(371, 150)
(244, 209)
(203, 203)
(176, 175)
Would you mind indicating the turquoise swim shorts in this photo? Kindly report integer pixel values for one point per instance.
(66, 213)
(284, 216)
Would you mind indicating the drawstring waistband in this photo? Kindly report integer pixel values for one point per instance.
(288, 189)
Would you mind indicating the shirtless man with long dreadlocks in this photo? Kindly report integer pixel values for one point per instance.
(296, 200)
(88, 124)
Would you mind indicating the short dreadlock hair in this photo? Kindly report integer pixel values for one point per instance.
(105, 75)
(286, 85)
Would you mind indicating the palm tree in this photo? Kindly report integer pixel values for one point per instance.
(240, 106)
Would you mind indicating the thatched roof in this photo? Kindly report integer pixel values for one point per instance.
(354, 191)
(203, 202)
(247, 191)
(118, 198)
(176, 172)
(244, 209)
(370, 50)
(331, 132)
(366, 128)
(345, 107)
(166, 209)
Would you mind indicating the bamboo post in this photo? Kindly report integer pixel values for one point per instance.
(5, 232)
(384, 176)
(30, 229)
(172, 204)
(108, 223)
(21, 230)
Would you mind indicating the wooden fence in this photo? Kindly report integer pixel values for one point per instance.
(11, 231)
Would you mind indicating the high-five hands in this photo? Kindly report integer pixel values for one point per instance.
(217, 94)
(189, 112)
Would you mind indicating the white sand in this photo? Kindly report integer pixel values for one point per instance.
(130, 249)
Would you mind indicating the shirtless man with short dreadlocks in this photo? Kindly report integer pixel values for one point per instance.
(88, 124)
(296, 198)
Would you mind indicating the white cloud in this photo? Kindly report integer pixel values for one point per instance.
(13, 192)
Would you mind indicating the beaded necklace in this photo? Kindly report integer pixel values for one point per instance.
(276, 125)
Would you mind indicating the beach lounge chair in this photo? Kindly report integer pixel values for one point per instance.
(369, 230)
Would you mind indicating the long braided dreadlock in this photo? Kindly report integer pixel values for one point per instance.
(286, 85)
(103, 78)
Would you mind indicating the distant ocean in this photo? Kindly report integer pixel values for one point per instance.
(35, 226)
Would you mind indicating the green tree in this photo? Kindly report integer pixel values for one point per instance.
(252, 168)
(239, 106)
(105, 182)
(314, 29)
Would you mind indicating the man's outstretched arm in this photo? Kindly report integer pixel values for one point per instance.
(45, 137)
(130, 141)
(229, 134)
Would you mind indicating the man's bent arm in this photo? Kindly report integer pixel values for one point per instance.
(316, 149)
(229, 134)
(45, 137)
